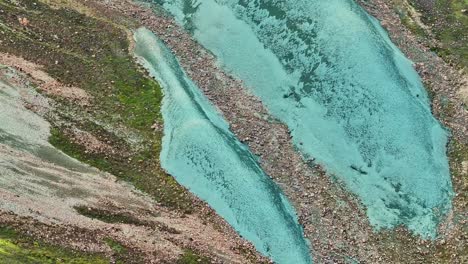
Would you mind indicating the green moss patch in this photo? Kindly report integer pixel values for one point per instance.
(190, 257)
(123, 254)
(116, 246)
(18, 249)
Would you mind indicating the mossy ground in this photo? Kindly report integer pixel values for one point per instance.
(19, 249)
(449, 22)
(122, 254)
(109, 216)
(407, 16)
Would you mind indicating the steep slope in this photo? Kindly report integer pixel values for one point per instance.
(69, 83)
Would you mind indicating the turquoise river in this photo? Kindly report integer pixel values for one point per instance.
(352, 101)
(203, 155)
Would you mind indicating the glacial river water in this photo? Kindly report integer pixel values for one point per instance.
(350, 98)
(204, 156)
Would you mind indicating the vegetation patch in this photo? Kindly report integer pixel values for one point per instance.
(190, 257)
(108, 216)
(407, 14)
(20, 249)
(116, 246)
(449, 22)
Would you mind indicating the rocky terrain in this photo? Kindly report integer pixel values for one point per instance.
(80, 126)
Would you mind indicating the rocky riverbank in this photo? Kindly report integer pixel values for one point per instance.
(334, 221)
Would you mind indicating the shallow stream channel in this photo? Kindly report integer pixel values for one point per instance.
(204, 156)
